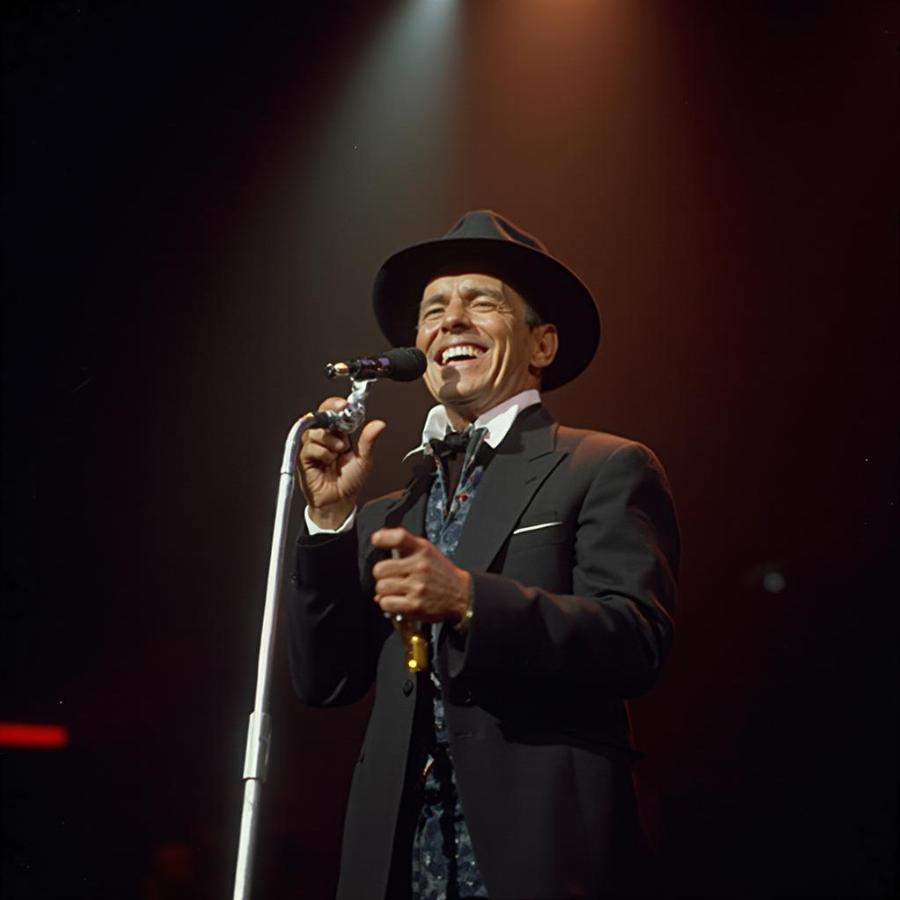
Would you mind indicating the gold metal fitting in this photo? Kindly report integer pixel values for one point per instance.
(414, 642)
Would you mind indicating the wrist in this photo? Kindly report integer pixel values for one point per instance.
(465, 608)
(330, 517)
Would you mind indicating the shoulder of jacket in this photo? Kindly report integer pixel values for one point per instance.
(597, 441)
(599, 446)
(599, 450)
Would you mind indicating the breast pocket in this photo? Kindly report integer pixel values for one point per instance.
(539, 552)
(537, 529)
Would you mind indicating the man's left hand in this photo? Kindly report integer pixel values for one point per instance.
(419, 582)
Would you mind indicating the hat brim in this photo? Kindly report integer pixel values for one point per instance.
(549, 287)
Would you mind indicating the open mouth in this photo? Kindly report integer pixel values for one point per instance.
(459, 353)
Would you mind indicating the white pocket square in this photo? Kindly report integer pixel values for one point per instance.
(535, 527)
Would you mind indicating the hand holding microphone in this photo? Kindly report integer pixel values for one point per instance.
(331, 471)
(418, 581)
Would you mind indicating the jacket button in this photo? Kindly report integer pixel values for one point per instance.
(407, 687)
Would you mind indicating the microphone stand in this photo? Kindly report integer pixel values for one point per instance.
(259, 732)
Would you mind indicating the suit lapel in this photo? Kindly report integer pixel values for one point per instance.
(521, 463)
(408, 510)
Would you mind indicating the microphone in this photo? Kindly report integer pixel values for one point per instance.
(399, 364)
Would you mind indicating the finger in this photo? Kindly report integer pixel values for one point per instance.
(318, 454)
(333, 440)
(328, 404)
(394, 604)
(337, 443)
(396, 539)
(403, 609)
(315, 434)
(387, 587)
(331, 404)
(368, 437)
(395, 567)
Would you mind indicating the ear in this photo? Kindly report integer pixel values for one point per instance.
(545, 343)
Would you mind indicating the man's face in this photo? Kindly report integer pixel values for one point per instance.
(479, 347)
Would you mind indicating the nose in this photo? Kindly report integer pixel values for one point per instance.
(456, 315)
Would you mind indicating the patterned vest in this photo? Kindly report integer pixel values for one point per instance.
(443, 863)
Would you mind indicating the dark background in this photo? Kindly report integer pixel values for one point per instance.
(194, 202)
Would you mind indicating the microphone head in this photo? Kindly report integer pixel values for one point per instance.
(407, 363)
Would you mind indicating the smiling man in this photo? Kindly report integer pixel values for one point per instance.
(540, 562)
(483, 344)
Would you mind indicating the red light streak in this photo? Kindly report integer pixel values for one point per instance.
(33, 737)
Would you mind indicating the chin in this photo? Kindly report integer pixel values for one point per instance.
(452, 396)
(454, 386)
(462, 401)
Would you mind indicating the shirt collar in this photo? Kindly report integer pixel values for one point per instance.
(497, 421)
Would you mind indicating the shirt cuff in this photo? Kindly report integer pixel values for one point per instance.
(312, 528)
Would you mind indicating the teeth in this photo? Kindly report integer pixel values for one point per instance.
(460, 351)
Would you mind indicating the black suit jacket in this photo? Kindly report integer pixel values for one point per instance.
(573, 546)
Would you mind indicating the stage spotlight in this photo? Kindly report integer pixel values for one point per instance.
(768, 576)
(773, 582)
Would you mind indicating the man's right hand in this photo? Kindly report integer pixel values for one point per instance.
(331, 471)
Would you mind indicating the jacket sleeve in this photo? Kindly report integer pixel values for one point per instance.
(615, 629)
(334, 630)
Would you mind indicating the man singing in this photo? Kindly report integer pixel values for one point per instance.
(541, 563)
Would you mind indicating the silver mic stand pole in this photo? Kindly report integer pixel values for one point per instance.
(259, 732)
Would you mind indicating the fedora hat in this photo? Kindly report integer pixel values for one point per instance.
(485, 242)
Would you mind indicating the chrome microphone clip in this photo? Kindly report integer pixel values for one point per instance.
(351, 416)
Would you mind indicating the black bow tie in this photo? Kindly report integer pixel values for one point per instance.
(451, 445)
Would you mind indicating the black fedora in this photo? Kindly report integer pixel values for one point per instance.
(483, 241)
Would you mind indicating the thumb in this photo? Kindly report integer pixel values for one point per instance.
(368, 438)
(399, 540)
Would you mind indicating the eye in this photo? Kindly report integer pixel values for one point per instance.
(430, 313)
(484, 304)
